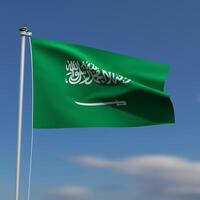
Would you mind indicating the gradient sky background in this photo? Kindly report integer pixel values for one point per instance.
(158, 162)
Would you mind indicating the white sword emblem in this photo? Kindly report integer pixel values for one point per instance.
(118, 103)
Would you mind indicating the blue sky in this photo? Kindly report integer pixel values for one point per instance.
(158, 162)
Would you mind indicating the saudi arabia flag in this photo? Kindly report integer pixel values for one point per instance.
(78, 86)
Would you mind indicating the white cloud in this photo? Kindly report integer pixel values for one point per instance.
(93, 161)
(72, 192)
(163, 175)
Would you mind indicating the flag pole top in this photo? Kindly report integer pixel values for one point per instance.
(24, 31)
(24, 28)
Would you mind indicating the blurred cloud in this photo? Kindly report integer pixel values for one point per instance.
(71, 192)
(157, 176)
(198, 98)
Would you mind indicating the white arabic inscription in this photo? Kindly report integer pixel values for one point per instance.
(87, 73)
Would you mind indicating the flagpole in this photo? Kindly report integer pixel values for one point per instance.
(23, 32)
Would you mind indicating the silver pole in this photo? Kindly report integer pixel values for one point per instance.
(23, 32)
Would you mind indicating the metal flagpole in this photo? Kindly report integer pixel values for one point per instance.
(23, 32)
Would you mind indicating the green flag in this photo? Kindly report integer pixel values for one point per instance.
(78, 86)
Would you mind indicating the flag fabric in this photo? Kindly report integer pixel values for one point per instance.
(79, 86)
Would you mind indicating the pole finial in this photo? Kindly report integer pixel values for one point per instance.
(23, 29)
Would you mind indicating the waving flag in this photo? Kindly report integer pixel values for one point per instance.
(78, 86)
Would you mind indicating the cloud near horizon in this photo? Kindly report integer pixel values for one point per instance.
(71, 192)
(163, 176)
